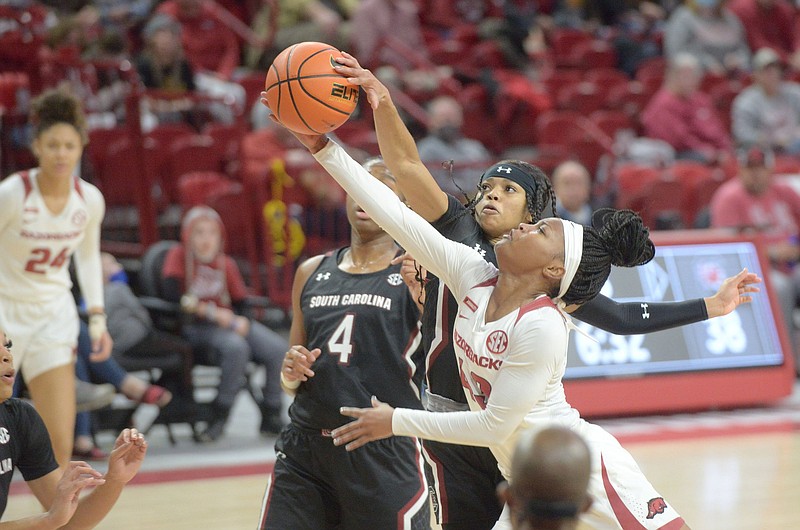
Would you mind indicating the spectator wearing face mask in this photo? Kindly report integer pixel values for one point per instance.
(445, 142)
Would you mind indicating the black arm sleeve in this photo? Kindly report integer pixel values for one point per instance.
(631, 318)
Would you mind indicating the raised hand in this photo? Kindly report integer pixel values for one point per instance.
(127, 456)
(297, 363)
(76, 477)
(733, 292)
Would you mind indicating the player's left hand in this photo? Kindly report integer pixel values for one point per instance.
(126, 458)
(357, 75)
(101, 348)
(370, 424)
(733, 292)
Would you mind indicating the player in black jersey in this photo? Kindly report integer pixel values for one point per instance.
(354, 335)
(463, 479)
(25, 445)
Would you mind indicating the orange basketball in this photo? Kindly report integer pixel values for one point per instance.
(305, 92)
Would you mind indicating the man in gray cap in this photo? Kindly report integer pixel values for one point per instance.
(768, 112)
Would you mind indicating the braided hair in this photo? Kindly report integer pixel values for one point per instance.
(616, 237)
(58, 106)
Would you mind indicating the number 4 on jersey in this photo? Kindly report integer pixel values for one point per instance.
(40, 260)
(341, 342)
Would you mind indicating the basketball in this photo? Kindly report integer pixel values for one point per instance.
(304, 91)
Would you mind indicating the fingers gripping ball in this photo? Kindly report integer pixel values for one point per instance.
(305, 92)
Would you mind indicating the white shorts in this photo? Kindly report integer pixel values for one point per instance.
(44, 335)
(623, 497)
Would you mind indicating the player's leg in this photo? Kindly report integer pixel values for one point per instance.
(297, 497)
(49, 372)
(381, 485)
(463, 483)
(48, 391)
(622, 494)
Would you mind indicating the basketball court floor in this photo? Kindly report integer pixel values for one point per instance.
(731, 470)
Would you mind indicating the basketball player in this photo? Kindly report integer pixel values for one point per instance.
(355, 320)
(511, 338)
(24, 445)
(465, 478)
(47, 214)
(551, 470)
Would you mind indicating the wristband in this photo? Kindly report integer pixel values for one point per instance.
(291, 385)
(97, 326)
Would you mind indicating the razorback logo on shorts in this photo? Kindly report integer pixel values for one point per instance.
(655, 507)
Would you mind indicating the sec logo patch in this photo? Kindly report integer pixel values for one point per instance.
(497, 342)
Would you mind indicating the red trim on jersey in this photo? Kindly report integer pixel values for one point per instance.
(675, 524)
(26, 182)
(441, 490)
(265, 503)
(76, 182)
(543, 301)
(420, 492)
(491, 282)
(447, 333)
(624, 516)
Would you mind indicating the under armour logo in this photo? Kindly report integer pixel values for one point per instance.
(479, 250)
(504, 169)
(323, 276)
(645, 314)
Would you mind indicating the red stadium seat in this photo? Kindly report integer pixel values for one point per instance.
(195, 187)
(193, 153)
(583, 97)
(563, 43)
(630, 180)
(100, 140)
(611, 121)
(560, 127)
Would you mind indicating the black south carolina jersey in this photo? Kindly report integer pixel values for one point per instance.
(24, 444)
(457, 224)
(367, 326)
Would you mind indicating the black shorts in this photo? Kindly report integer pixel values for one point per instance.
(463, 485)
(316, 485)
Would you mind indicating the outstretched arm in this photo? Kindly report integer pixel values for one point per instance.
(634, 318)
(536, 352)
(397, 145)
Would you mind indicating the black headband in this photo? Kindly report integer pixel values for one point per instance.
(514, 174)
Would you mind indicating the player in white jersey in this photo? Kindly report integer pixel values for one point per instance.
(511, 339)
(47, 215)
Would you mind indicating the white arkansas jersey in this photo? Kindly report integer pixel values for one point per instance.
(38, 245)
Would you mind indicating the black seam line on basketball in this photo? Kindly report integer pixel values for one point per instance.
(273, 67)
(314, 76)
(291, 93)
(288, 61)
(321, 102)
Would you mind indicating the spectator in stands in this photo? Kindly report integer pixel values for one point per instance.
(162, 64)
(710, 32)
(756, 203)
(376, 19)
(551, 469)
(770, 24)
(212, 49)
(684, 117)
(445, 142)
(572, 185)
(299, 21)
(210, 288)
(768, 112)
(211, 46)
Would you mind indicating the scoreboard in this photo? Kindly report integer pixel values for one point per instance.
(740, 359)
